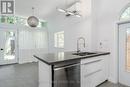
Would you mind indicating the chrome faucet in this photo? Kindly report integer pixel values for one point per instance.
(80, 38)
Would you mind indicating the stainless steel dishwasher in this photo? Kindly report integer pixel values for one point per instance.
(67, 75)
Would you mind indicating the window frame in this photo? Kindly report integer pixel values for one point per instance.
(59, 40)
(124, 11)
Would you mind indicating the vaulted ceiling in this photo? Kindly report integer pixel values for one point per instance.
(43, 8)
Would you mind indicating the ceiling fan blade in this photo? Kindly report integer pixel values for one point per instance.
(78, 15)
(61, 10)
(69, 12)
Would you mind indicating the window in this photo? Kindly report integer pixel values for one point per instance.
(19, 20)
(126, 14)
(59, 39)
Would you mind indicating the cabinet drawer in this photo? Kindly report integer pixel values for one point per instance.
(92, 80)
(94, 71)
(92, 67)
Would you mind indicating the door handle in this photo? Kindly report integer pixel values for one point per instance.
(58, 68)
(1, 49)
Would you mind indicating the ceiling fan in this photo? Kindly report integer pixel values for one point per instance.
(71, 10)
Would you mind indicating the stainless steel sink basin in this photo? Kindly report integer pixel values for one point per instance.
(84, 53)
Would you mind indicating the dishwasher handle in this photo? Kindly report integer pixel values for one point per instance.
(67, 66)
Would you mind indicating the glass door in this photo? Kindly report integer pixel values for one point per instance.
(124, 54)
(7, 47)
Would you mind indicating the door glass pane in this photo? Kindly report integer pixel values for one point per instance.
(128, 50)
(9, 52)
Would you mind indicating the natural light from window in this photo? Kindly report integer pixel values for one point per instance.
(128, 50)
(59, 39)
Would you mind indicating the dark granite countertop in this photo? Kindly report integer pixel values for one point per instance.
(54, 58)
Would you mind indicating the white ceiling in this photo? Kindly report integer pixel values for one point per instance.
(43, 8)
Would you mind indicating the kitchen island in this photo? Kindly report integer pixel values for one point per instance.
(67, 69)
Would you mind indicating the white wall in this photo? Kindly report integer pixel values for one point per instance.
(73, 28)
(105, 15)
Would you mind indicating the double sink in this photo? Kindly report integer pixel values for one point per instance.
(84, 53)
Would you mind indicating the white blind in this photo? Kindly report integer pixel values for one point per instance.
(33, 39)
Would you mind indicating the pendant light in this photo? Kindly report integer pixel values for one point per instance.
(32, 20)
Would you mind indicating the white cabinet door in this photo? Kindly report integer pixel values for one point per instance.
(93, 71)
(45, 75)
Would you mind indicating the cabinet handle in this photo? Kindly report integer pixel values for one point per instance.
(58, 68)
(93, 73)
(92, 62)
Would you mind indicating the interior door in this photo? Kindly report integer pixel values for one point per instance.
(124, 54)
(7, 47)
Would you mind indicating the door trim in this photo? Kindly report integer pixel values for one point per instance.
(117, 43)
(115, 78)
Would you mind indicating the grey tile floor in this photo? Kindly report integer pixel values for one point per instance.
(26, 75)
(109, 84)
